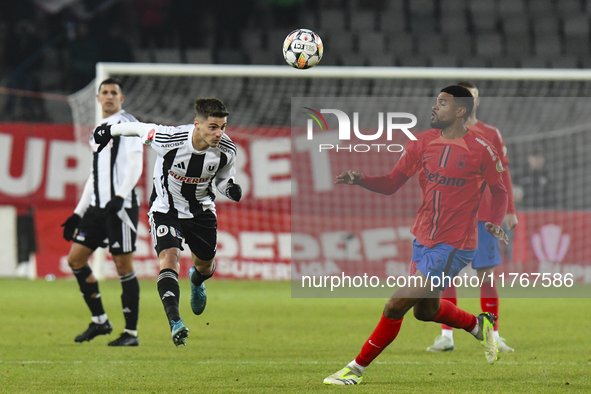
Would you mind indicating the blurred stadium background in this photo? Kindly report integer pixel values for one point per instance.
(48, 65)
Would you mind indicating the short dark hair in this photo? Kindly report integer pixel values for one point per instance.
(467, 84)
(111, 81)
(462, 96)
(206, 107)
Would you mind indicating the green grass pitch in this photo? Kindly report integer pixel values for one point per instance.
(253, 337)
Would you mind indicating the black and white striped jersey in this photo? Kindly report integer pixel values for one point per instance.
(110, 167)
(183, 176)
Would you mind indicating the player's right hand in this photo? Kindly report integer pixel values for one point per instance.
(102, 136)
(70, 226)
(349, 177)
(497, 232)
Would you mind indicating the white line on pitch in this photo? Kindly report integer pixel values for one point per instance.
(501, 362)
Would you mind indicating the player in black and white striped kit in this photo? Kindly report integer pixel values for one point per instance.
(192, 159)
(108, 213)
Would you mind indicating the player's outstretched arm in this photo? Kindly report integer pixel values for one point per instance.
(103, 133)
(385, 184)
(497, 232)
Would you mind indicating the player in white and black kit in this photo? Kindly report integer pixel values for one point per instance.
(107, 214)
(192, 159)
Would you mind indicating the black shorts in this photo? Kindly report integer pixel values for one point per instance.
(97, 230)
(200, 233)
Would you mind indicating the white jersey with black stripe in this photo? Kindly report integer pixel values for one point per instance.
(110, 167)
(183, 176)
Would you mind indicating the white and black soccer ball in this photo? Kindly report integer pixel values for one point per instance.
(302, 48)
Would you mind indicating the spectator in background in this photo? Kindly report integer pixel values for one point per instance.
(154, 22)
(114, 47)
(534, 183)
(229, 25)
(24, 60)
(84, 54)
(190, 34)
(286, 13)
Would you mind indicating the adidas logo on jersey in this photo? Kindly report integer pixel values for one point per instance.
(168, 294)
(180, 165)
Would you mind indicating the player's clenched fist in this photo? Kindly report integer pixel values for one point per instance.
(233, 191)
(102, 136)
(497, 231)
(70, 226)
(349, 177)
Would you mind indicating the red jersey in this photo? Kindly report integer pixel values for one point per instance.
(493, 135)
(453, 176)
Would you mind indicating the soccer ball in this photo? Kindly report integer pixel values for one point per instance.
(302, 48)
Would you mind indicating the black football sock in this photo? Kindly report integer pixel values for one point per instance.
(90, 291)
(197, 278)
(170, 293)
(130, 300)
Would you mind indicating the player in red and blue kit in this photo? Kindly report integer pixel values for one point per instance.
(457, 164)
(488, 253)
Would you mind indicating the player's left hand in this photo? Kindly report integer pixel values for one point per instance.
(70, 226)
(233, 191)
(102, 136)
(511, 220)
(114, 205)
(497, 232)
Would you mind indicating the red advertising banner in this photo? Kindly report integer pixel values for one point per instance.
(41, 165)
(549, 241)
(243, 252)
(323, 229)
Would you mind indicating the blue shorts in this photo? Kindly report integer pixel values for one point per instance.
(488, 253)
(440, 260)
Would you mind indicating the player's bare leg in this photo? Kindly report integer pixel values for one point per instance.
(78, 262)
(170, 293)
(130, 299)
(202, 270)
(427, 307)
(386, 331)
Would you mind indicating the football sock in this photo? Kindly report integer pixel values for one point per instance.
(133, 333)
(451, 295)
(170, 293)
(130, 300)
(455, 317)
(385, 332)
(496, 335)
(447, 333)
(197, 278)
(100, 319)
(353, 366)
(489, 300)
(90, 292)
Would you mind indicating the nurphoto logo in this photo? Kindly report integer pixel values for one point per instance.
(345, 130)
